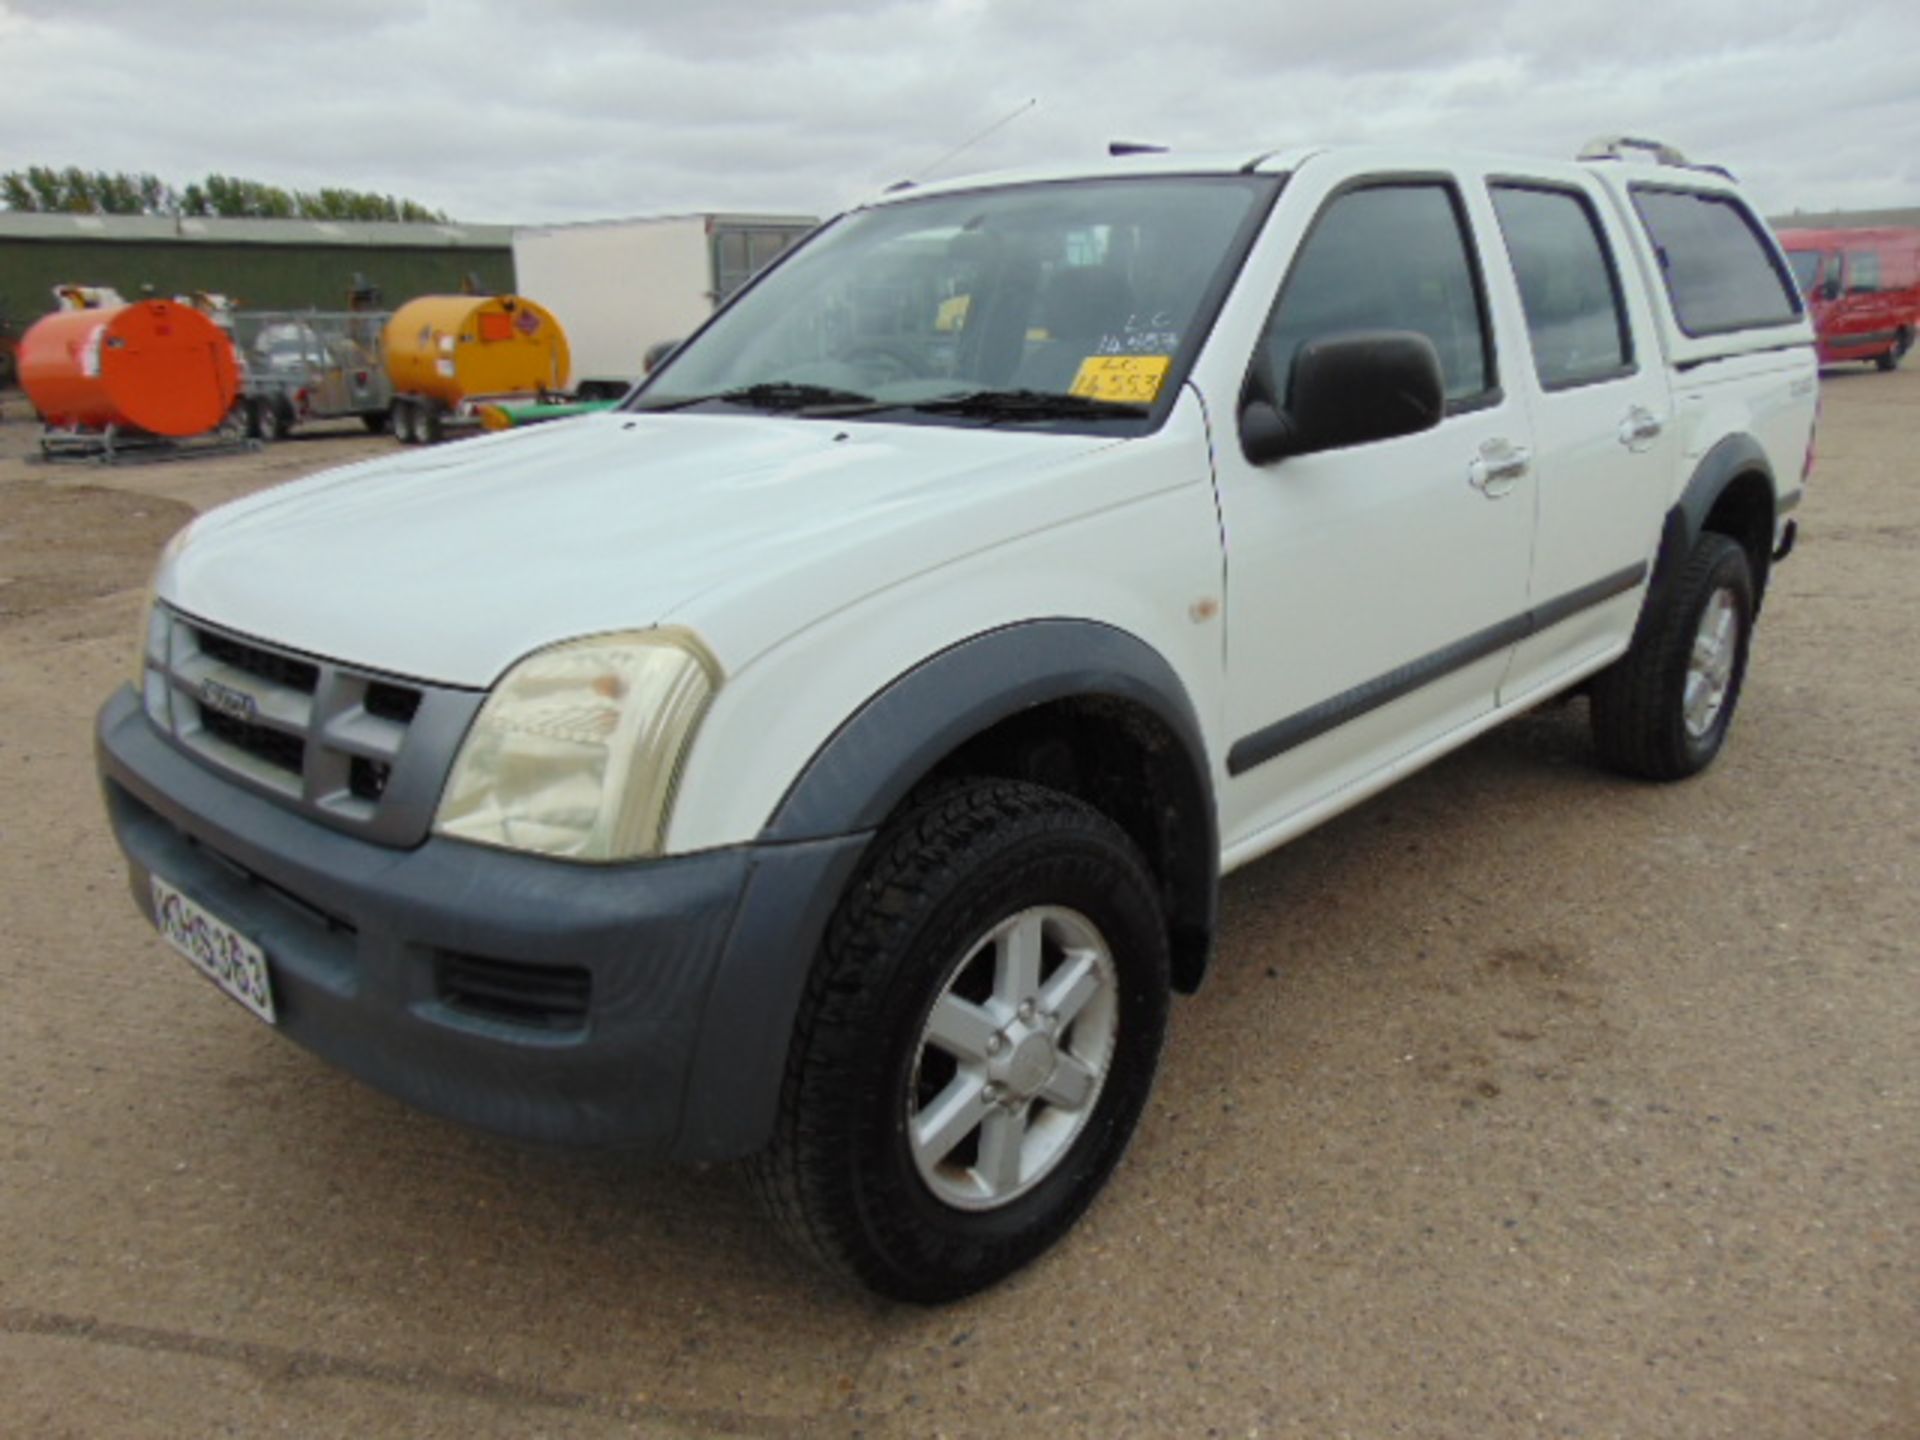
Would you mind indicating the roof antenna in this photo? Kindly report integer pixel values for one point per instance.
(960, 149)
(1119, 148)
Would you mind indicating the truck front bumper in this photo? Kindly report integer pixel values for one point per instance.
(645, 1005)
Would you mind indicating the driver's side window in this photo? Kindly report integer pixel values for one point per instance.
(1390, 256)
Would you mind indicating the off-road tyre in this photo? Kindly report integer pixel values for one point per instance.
(1639, 703)
(839, 1179)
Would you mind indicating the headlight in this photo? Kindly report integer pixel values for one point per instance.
(149, 673)
(153, 619)
(576, 751)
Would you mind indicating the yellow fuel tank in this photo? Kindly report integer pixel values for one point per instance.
(455, 347)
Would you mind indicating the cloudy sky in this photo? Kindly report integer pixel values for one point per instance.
(548, 110)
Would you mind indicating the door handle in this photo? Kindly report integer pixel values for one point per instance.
(1640, 427)
(1498, 467)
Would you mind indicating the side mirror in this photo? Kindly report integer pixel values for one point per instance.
(1348, 389)
(1830, 288)
(657, 352)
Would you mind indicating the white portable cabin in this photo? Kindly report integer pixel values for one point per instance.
(621, 286)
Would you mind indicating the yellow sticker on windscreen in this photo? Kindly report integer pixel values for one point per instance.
(1133, 379)
(952, 314)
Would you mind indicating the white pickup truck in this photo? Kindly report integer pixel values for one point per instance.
(830, 756)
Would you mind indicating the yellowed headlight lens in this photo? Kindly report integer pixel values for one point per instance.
(577, 750)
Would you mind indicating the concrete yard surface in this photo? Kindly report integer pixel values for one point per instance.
(1522, 1101)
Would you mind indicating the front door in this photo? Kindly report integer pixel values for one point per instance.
(1374, 594)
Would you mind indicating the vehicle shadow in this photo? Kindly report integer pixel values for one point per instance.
(593, 1279)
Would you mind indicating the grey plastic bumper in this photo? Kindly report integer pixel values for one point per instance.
(695, 964)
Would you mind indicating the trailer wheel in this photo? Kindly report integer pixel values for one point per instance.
(274, 419)
(428, 429)
(403, 429)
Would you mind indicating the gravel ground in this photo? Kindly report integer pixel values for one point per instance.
(1523, 1101)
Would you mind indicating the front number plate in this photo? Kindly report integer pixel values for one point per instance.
(228, 958)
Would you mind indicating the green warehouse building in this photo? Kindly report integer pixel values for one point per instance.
(260, 264)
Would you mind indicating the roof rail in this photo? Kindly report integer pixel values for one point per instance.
(1614, 147)
(1618, 147)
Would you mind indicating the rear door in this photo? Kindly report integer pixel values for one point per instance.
(1601, 409)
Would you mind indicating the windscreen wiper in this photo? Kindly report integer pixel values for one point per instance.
(772, 395)
(1030, 405)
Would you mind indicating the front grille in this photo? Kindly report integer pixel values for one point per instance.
(268, 665)
(546, 997)
(360, 751)
(276, 747)
(392, 702)
(368, 778)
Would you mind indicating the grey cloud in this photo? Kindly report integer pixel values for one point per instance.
(600, 107)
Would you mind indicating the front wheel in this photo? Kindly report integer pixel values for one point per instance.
(976, 1043)
(1662, 711)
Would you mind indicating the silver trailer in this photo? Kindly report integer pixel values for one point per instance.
(299, 365)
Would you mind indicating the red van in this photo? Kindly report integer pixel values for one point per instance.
(1863, 287)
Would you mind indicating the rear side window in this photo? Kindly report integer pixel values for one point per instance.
(1568, 287)
(1863, 272)
(1389, 257)
(1720, 273)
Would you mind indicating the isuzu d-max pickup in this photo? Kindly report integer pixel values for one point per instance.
(829, 757)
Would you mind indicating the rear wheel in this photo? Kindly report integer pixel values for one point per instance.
(1662, 711)
(427, 428)
(975, 1046)
(1897, 352)
(402, 412)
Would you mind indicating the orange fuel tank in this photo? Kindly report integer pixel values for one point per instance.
(454, 347)
(153, 366)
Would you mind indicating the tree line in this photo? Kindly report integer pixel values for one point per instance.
(73, 191)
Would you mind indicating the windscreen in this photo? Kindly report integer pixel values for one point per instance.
(1092, 290)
